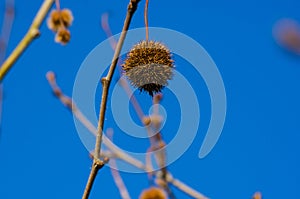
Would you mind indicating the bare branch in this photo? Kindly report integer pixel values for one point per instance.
(115, 152)
(132, 6)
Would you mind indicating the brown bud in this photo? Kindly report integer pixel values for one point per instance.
(157, 98)
(146, 121)
(63, 36)
(50, 76)
(66, 17)
(257, 195)
(53, 21)
(153, 193)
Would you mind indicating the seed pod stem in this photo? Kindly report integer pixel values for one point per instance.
(146, 20)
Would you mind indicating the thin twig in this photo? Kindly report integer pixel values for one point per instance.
(132, 6)
(8, 20)
(184, 188)
(107, 30)
(118, 180)
(115, 173)
(149, 164)
(132, 98)
(57, 4)
(96, 166)
(7, 23)
(158, 145)
(32, 33)
(146, 19)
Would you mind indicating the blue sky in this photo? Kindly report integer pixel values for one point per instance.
(42, 156)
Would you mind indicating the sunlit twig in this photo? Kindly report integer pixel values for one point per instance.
(32, 33)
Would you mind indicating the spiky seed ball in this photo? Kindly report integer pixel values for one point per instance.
(153, 193)
(149, 66)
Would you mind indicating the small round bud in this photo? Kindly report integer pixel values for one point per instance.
(53, 21)
(66, 17)
(257, 195)
(153, 193)
(146, 121)
(157, 98)
(105, 160)
(63, 36)
(50, 76)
